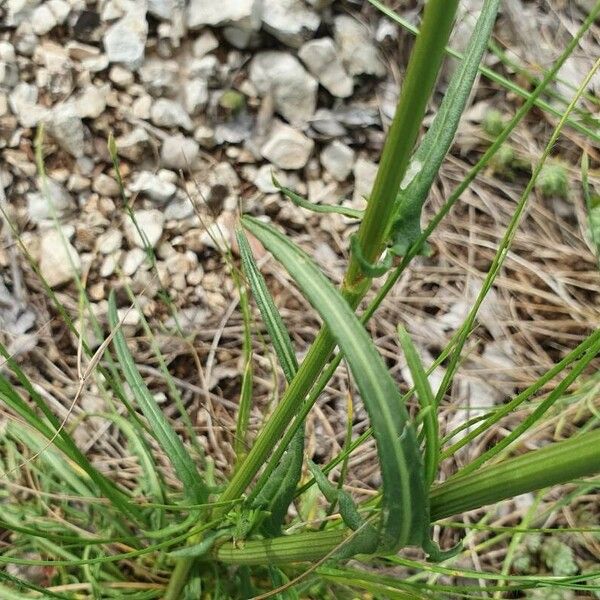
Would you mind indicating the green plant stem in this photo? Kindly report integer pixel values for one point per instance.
(421, 74)
(554, 464)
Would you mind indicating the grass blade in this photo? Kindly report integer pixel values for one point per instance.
(404, 511)
(278, 492)
(194, 488)
(592, 203)
(428, 406)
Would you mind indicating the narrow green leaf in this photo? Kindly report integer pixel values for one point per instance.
(194, 488)
(351, 213)
(430, 154)
(282, 344)
(427, 402)
(404, 510)
(277, 494)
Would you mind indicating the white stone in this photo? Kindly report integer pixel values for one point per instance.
(169, 113)
(91, 103)
(358, 53)
(294, 90)
(125, 40)
(178, 152)
(59, 261)
(110, 241)
(66, 127)
(322, 60)
(153, 186)
(133, 144)
(243, 13)
(163, 9)
(338, 159)
(60, 9)
(51, 200)
(263, 179)
(150, 223)
(205, 43)
(9, 74)
(287, 148)
(133, 260)
(43, 20)
(290, 21)
(196, 95)
(105, 185)
(22, 102)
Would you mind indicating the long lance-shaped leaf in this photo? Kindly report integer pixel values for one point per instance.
(426, 161)
(194, 488)
(277, 494)
(404, 517)
(282, 344)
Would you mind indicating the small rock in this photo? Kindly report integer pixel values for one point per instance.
(338, 159)
(133, 260)
(43, 20)
(22, 101)
(364, 177)
(205, 43)
(9, 74)
(105, 185)
(358, 53)
(162, 9)
(66, 127)
(59, 261)
(60, 9)
(133, 145)
(179, 152)
(153, 186)
(150, 223)
(287, 148)
(242, 13)
(241, 38)
(120, 76)
(178, 209)
(141, 107)
(91, 103)
(294, 90)
(109, 242)
(263, 179)
(108, 266)
(160, 77)
(206, 68)
(290, 21)
(53, 200)
(168, 113)
(321, 58)
(205, 136)
(196, 95)
(124, 42)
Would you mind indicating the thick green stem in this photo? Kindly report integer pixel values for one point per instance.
(554, 464)
(421, 74)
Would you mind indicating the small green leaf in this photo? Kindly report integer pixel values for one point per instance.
(351, 213)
